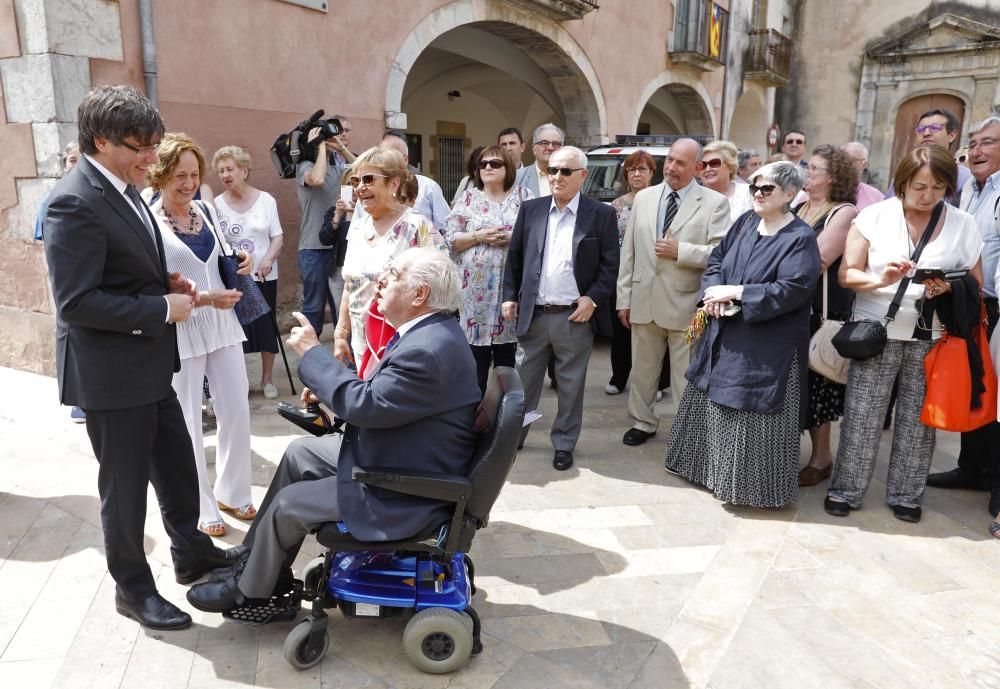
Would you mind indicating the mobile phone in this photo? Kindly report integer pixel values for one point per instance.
(924, 274)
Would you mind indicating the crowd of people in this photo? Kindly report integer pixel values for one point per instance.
(710, 284)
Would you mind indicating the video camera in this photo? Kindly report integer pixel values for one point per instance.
(288, 149)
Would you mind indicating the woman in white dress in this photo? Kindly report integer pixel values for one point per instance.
(210, 341)
(248, 220)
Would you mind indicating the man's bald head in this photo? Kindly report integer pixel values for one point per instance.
(682, 163)
(394, 143)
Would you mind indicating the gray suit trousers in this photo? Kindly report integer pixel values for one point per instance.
(570, 343)
(301, 497)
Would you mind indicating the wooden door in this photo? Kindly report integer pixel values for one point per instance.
(906, 120)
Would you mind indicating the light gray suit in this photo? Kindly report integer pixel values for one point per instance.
(662, 293)
(528, 177)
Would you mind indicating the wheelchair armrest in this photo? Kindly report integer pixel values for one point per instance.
(423, 484)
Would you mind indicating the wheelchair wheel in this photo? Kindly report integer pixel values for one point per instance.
(297, 650)
(311, 575)
(438, 640)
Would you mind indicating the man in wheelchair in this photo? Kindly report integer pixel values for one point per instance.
(416, 412)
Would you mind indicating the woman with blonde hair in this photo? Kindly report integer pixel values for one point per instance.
(209, 343)
(720, 162)
(248, 220)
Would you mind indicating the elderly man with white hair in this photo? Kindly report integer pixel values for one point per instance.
(422, 395)
(857, 152)
(561, 267)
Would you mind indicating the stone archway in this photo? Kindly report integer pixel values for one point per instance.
(545, 48)
(682, 104)
(748, 126)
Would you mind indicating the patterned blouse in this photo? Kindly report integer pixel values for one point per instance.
(482, 265)
(367, 256)
(623, 212)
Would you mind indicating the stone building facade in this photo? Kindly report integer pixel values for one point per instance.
(445, 71)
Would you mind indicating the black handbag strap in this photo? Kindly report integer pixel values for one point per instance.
(208, 219)
(905, 282)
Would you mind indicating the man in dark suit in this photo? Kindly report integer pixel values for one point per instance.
(561, 265)
(116, 349)
(415, 411)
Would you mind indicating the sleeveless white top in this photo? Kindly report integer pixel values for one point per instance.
(207, 329)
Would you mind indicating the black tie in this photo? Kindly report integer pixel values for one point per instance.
(140, 207)
(668, 217)
(391, 343)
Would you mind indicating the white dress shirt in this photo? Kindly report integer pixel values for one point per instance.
(557, 284)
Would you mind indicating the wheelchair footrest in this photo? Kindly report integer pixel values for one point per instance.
(279, 608)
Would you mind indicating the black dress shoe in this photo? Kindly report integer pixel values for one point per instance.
(216, 596)
(635, 436)
(154, 612)
(216, 558)
(906, 514)
(836, 508)
(562, 460)
(956, 478)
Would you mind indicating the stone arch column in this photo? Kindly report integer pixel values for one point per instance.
(543, 40)
(667, 79)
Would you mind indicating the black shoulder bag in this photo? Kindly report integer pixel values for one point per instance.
(252, 304)
(865, 338)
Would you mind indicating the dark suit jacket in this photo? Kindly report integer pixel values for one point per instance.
(114, 349)
(595, 255)
(415, 412)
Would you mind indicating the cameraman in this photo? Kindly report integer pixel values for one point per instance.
(318, 188)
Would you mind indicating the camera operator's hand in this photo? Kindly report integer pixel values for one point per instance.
(313, 133)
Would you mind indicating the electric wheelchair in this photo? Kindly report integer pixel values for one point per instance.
(429, 574)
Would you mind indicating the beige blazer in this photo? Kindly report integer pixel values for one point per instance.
(663, 290)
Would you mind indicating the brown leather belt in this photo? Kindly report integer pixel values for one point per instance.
(554, 308)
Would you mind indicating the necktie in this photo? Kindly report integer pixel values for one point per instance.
(668, 217)
(140, 207)
(391, 343)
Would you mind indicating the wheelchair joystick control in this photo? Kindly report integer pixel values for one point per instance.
(312, 418)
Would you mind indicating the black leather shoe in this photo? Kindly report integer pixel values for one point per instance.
(956, 478)
(216, 596)
(635, 436)
(906, 514)
(214, 559)
(154, 612)
(836, 508)
(562, 460)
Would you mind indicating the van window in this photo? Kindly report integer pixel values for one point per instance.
(604, 180)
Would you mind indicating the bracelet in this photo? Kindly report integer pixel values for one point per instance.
(343, 330)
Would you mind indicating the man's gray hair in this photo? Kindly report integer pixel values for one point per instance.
(856, 144)
(434, 269)
(980, 126)
(548, 125)
(745, 155)
(785, 174)
(581, 157)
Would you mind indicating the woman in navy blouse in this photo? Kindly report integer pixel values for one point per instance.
(738, 424)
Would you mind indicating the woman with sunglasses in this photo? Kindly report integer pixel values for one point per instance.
(720, 161)
(388, 228)
(739, 421)
(831, 191)
(478, 232)
(877, 256)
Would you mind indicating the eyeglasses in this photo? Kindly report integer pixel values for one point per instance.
(714, 163)
(367, 180)
(921, 128)
(492, 163)
(564, 171)
(641, 170)
(548, 144)
(982, 143)
(816, 168)
(141, 150)
(764, 189)
(795, 141)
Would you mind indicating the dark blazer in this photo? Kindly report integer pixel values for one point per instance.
(595, 255)
(415, 412)
(755, 348)
(114, 349)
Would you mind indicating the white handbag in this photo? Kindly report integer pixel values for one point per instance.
(824, 358)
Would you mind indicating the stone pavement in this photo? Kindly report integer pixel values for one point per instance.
(611, 575)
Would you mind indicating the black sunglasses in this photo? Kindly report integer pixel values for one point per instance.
(713, 163)
(494, 163)
(564, 171)
(764, 189)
